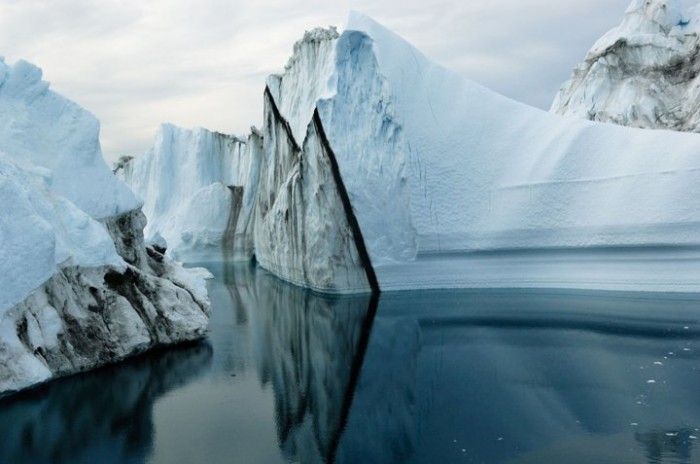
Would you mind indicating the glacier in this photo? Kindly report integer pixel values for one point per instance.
(642, 73)
(377, 169)
(80, 288)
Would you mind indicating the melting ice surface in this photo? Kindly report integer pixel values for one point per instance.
(414, 377)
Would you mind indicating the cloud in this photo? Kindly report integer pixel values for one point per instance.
(136, 64)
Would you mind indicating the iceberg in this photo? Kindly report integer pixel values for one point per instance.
(642, 73)
(452, 185)
(79, 289)
(377, 169)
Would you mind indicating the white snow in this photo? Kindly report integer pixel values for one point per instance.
(341, 78)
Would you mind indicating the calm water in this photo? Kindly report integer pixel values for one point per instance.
(422, 377)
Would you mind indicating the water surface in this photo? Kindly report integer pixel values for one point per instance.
(287, 376)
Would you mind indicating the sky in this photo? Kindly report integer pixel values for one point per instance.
(136, 63)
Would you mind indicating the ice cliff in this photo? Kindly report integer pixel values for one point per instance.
(643, 73)
(79, 288)
(380, 170)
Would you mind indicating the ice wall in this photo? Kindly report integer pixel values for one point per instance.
(185, 182)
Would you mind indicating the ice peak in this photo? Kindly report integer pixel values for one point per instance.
(297, 90)
(23, 80)
(320, 33)
(653, 16)
(313, 37)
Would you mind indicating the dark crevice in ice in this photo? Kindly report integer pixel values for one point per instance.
(229, 239)
(355, 370)
(349, 212)
(352, 221)
(282, 120)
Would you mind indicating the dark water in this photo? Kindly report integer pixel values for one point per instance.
(421, 377)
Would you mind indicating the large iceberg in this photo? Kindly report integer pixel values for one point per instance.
(452, 185)
(380, 170)
(642, 73)
(79, 288)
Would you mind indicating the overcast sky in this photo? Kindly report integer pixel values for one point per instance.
(137, 63)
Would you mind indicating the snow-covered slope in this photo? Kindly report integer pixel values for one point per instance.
(79, 288)
(188, 181)
(453, 185)
(643, 73)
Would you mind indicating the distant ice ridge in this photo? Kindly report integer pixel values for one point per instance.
(79, 288)
(189, 181)
(642, 73)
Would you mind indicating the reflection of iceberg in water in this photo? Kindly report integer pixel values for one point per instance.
(102, 416)
(526, 377)
(415, 377)
(487, 376)
(310, 349)
(383, 422)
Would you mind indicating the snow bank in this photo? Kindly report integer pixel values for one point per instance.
(643, 73)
